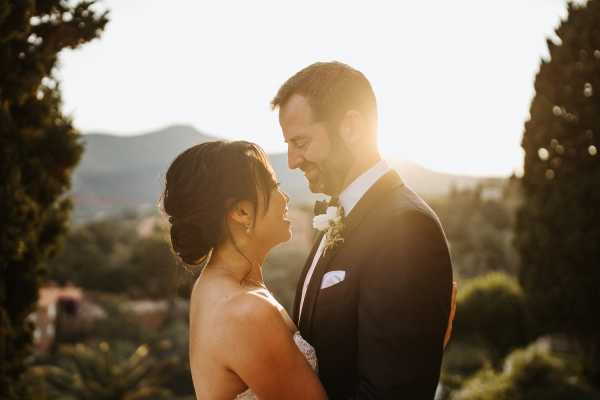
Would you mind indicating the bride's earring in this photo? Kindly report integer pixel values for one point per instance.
(248, 229)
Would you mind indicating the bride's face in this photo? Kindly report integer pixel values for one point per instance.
(273, 226)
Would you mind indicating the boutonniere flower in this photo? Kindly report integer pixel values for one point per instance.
(332, 223)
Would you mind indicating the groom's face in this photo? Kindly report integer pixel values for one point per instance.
(309, 146)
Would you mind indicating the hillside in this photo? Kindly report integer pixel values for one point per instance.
(127, 172)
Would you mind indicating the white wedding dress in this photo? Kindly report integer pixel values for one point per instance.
(305, 348)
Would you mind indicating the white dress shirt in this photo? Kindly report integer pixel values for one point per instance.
(349, 197)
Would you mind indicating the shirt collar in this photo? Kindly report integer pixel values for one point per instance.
(352, 194)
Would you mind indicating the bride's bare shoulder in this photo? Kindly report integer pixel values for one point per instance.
(254, 328)
(251, 307)
(234, 308)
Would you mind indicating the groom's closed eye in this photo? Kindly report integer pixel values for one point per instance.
(300, 143)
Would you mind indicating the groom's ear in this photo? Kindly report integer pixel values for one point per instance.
(351, 127)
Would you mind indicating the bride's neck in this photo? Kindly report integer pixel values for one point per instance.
(242, 263)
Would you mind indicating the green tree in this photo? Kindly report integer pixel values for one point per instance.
(93, 256)
(492, 313)
(152, 271)
(558, 226)
(39, 148)
(528, 374)
(110, 255)
(83, 372)
(480, 231)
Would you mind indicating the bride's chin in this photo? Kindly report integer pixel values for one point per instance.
(288, 234)
(282, 237)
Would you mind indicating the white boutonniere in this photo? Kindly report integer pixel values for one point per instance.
(332, 223)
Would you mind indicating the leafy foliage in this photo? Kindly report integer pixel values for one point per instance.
(529, 374)
(480, 229)
(558, 227)
(86, 372)
(112, 256)
(39, 148)
(491, 311)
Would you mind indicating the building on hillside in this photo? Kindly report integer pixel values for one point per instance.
(66, 304)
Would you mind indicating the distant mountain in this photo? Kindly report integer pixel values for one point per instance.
(429, 183)
(118, 173)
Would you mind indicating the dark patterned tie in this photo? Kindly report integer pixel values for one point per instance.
(320, 207)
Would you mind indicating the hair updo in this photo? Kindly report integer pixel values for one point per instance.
(203, 183)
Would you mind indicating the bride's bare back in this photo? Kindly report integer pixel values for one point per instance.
(241, 337)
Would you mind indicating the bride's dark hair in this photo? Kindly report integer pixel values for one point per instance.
(201, 186)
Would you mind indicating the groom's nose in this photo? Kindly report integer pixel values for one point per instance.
(294, 159)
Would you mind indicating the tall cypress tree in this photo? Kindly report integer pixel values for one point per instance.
(558, 227)
(38, 149)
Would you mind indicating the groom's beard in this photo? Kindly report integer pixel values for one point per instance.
(331, 173)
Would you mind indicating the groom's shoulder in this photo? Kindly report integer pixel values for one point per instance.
(404, 213)
(403, 202)
(406, 225)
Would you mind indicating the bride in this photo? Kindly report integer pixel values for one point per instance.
(227, 212)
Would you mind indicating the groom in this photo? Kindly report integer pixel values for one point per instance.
(375, 294)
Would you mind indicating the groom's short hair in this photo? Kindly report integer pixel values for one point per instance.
(331, 89)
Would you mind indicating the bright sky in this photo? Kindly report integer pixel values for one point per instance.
(453, 79)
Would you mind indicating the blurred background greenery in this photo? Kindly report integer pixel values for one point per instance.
(94, 305)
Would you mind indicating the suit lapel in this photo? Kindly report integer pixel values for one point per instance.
(302, 278)
(312, 293)
(367, 204)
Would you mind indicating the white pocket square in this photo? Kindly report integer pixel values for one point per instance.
(332, 278)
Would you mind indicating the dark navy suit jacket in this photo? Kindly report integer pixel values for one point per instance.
(379, 333)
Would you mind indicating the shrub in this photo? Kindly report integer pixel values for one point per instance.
(529, 374)
(492, 312)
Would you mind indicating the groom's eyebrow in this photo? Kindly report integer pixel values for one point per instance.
(293, 139)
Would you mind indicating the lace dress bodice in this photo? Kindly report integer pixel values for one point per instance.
(305, 348)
